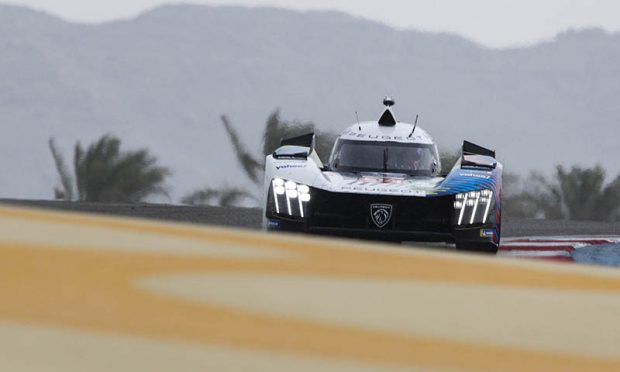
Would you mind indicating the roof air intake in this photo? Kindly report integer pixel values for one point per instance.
(387, 119)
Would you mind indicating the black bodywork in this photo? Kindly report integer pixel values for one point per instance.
(412, 219)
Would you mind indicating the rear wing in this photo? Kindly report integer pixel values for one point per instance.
(477, 156)
(473, 149)
(299, 147)
(305, 140)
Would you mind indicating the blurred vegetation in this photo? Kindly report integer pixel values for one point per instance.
(277, 129)
(448, 159)
(104, 173)
(253, 165)
(224, 197)
(575, 194)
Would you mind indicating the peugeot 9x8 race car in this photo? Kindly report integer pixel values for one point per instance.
(384, 181)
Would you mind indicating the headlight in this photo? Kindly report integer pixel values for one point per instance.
(290, 198)
(473, 207)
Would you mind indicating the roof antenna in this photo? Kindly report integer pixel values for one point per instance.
(414, 126)
(358, 121)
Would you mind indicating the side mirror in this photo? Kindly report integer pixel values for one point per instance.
(336, 161)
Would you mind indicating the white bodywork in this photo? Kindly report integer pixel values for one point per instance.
(309, 171)
(401, 132)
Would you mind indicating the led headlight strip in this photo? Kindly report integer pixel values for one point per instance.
(291, 195)
(470, 203)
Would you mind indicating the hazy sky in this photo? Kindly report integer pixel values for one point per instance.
(495, 23)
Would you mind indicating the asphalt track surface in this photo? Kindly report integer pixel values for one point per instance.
(586, 246)
(249, 218)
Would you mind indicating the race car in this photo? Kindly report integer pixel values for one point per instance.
(384, 181)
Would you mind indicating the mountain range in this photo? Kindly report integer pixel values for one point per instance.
(163, 79)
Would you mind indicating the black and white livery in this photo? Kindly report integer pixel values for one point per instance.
(384, 181)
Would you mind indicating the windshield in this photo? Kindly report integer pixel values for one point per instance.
(388, 157)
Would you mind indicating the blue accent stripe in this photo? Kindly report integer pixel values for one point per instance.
(465, 180)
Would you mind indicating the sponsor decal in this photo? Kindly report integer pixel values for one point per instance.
(487, 233)
(290, 166)
(382, 190)
(273, 225)
(355, 134)
(475, 175)
(376, 180)
(381, 214)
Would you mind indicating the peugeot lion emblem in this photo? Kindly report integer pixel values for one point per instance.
(380, 214)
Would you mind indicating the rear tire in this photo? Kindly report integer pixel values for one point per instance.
(488, 248)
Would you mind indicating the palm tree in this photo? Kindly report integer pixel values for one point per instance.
(103, 173)
(584, 194)
(448, 159)
(277, 129)
(250, 164)
(532, 197)
(66, 181)
(578, 194)
(253, 165)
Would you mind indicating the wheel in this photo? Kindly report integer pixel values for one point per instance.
(489, 248)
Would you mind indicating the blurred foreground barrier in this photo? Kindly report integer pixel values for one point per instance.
(79, 292)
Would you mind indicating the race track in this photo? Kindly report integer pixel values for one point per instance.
(573, 241)
(84, 292)
(250, 218)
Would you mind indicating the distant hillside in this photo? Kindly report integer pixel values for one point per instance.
(162, 80)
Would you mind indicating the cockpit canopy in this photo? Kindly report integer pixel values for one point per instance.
(416, 159)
